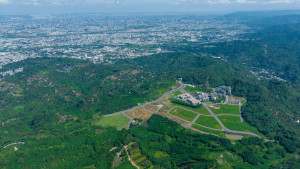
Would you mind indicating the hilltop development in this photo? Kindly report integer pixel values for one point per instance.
(219, 116)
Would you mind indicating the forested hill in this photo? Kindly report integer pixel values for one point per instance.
(266, 18)
(287, 34)
(33, 101)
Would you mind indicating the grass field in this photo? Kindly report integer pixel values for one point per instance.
(209, 122)
(177, 93)
(227, 109)
(234, 137)
(193, 89)
(118, 121)
(234, 123)
(184, 114)
(220, 133)
(200, 109)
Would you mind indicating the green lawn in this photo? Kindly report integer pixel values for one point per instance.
(221, 133)
(118, 121)
(177, 93)
(184, 114)
(227, 109)
(193, 89)
(200, 109)
(234, 123)
(209, 122)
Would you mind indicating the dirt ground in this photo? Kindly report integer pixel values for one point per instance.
(214, 106)
(152, 107)
(165, 101)
(235, 100)
(63, 118)
(140, 113)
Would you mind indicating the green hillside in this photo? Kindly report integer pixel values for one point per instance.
(53, 104)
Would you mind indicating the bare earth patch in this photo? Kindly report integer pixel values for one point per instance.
(63, 118)
(139, 113)
(235, 100)
(165, 101)
(134, 72)
(214, 106)
(152, 107)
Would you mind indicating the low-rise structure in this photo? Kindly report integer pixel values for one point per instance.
(188, 98)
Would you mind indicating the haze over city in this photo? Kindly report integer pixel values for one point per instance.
(17, 7)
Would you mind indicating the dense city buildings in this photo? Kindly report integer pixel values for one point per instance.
(101, 38)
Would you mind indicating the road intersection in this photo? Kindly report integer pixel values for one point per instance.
(181, 88)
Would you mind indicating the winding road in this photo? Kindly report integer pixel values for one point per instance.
(181, 88)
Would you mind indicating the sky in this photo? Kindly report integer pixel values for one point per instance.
(17, 7)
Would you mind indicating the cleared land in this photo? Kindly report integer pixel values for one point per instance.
(234, 123)
(209, 122)
(118, 121)
(201, 109)
(235, 100)
(233, 137)
(195, 126)
(152, 107)
(227, 109)
(140, 114)
(184, 114)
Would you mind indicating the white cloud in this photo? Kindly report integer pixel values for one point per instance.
(245, 2)
(153, 2)
(178, 2)
(265, 2)
(219, 2)
(279, 2)
(5, 2)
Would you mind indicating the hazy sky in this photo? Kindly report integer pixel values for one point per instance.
(114, 6)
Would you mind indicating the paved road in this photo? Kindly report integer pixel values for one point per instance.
(226, 130)
(215, 116)
(226, 99)
(228, 115)
(181, 88)
(142, 105)
(154, 101)
(11, 144)
(240, 108)
(191, 123)
(191, 111)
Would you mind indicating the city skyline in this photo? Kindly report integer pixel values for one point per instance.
(16, 7)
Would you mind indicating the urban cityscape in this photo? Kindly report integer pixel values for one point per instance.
(101, 38)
